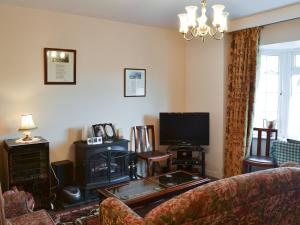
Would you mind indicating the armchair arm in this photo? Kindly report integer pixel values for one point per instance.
(15, 204)
(115, 212)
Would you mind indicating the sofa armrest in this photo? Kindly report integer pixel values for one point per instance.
(114, 212)
(15, 204)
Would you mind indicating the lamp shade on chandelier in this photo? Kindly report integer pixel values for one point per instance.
(193, 26)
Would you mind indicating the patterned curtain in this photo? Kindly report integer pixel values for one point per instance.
(241, 83)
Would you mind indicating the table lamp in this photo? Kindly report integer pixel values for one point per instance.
(27, 124)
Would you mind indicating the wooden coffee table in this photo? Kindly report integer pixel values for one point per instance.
(137, 193)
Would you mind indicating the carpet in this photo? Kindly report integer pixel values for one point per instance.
(82, 215)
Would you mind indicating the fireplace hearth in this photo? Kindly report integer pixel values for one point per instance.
(100, 165)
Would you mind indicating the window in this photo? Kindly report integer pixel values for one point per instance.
(278, 89)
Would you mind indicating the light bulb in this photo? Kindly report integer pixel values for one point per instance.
(202, 20)
(191, 15)
(218, 14)
(183, 23)
(224, 23)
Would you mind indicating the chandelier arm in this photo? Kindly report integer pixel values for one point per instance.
(188, 39)
(194, 32)
(211, 32)
(218, 38)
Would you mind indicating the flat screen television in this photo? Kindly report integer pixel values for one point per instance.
(184, 128)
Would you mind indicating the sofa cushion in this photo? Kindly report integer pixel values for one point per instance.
(115, 212)
(266, 197)
(40, 217)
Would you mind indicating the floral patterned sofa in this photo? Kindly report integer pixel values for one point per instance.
(14, 211)
(269, 197)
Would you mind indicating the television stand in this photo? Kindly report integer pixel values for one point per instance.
(188, 157)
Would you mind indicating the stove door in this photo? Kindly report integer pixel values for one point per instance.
(118, 164)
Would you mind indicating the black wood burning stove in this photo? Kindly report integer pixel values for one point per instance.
(100, 165)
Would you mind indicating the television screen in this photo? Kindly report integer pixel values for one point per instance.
(184, 128)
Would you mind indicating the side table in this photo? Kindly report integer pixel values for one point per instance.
(26, 166)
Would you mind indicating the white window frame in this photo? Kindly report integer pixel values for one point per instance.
(287, 67)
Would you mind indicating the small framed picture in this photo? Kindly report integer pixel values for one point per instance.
(89, 141)
(99, 140)
(110, 132)
(59, 66)
(134, 82)
(98, 130)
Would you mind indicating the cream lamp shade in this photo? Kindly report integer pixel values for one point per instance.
(27, 124)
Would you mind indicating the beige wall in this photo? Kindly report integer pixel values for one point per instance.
(205, 73)
(104, 49)
(268, 17)
(281, 32)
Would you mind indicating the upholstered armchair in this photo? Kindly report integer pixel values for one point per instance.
(14, 211)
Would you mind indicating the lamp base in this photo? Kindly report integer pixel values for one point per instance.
(27, 134)
(27, 138)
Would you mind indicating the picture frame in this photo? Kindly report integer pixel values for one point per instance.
(59, 66)
(109, 130)
(94, 141)
(134, 82)
(104, 130)
(99, 131)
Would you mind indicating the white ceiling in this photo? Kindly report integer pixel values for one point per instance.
(161, 13)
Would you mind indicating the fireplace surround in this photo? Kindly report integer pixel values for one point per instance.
(100, 165)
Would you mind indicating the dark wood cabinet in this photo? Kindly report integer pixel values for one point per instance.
(27, 167)
(100, 165)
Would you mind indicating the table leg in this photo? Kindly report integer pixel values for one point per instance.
(149, 167)
(203, 164)
(169, 162)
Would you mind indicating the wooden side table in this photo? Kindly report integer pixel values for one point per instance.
(26, 165)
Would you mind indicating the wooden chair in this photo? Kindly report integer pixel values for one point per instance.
(144, 142)
(259, 160)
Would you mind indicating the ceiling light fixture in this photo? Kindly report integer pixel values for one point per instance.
(193, 26)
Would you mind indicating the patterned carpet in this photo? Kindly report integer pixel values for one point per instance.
(82, 215)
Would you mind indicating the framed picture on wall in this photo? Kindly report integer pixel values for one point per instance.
(59, 66)
(134, 82)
